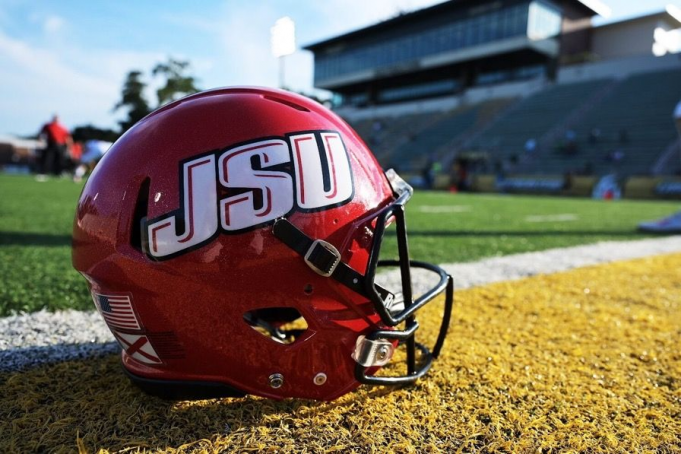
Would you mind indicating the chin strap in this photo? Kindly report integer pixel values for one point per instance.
(324, 259)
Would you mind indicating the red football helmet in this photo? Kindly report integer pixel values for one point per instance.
(230, 241)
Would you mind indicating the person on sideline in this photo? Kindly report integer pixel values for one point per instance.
(59, 141)
(93, 150)
(670, 224)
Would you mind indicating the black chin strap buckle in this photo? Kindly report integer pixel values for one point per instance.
(322, 257)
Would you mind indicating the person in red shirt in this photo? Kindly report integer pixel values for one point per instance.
(59, 142)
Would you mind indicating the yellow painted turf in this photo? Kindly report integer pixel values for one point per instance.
(582, 361)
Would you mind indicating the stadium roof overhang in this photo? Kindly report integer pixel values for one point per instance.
(590, 7)
(674, 12)
(547, 48)
(671, 15)
(598, 7)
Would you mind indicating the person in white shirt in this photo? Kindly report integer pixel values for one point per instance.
(670, 224)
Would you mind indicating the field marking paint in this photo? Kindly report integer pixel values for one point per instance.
(567, 217)
(440, 209)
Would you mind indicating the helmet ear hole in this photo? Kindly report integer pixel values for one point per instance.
(283, 325)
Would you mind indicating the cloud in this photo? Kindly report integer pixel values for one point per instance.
(242, 35)
(245, 41)
(53, 24)
(82, 85)
(39, 62)
(35, 80)
(192, 22)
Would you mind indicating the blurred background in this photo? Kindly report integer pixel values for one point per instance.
(571, 97)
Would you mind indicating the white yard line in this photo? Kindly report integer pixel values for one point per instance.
(43, 337)
(567, 217)
(439, 209)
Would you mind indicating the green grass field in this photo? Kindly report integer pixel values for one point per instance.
(36, 220)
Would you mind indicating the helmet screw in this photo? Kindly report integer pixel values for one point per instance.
(383, 352)
(320, 379)
(276, 381)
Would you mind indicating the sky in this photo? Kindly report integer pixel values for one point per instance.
(71, 57)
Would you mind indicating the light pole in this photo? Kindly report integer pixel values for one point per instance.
(283, 43)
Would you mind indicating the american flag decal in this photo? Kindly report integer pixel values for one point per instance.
(117, 311)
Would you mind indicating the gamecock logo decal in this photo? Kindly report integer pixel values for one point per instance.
(251, 185)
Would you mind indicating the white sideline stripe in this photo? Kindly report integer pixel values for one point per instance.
(28, 340)
(512, 267)
(552, 218)
(437, 209)
(518, 266)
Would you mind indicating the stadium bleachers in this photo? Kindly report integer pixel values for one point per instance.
(386, 134)
(534, 117)
(632, 115)
(409, 142)
(422, 147)
(634, 121)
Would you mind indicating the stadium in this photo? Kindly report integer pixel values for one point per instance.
(541, 143)
(528, 89)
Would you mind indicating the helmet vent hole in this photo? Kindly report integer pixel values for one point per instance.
(139, 215)
(283, 325)
(286, 103)
(308, 289)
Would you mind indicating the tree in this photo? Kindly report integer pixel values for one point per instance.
(132, 98)
(177, 84)
(90, 132)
